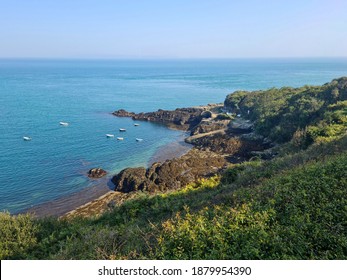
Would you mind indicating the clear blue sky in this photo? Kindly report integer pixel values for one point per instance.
(173, 28)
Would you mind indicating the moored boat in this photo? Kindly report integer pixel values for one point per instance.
(64, 123)
(27, 138)
(109, 135)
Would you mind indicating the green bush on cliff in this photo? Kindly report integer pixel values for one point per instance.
(279, 113)
(218, 232)
(17, 235)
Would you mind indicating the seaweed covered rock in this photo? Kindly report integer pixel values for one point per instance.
(172, 174)
(96, 173)
(131, 179)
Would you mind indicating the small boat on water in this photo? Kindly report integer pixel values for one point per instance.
(122, 130)
(27, 138)
(109, 135)
(120, 138)
(64, 123)
(136, 124)
(139, 139)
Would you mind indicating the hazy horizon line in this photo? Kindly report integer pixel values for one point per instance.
(169, 58)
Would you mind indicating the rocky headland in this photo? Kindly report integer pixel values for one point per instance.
(181, 118)
(218, 137)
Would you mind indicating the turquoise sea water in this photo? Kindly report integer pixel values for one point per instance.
(35, 95)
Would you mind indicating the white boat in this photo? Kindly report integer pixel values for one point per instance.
(64, 123)
(27, 138)
(120, 138)
(109, 135)
(122, 130)
(139, 139)
(136, 124)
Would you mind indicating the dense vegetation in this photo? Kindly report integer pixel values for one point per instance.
(311, 111)
(291, 207)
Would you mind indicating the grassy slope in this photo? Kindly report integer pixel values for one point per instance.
(292, 207)
(298, 214)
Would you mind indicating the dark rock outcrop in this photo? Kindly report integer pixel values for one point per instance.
(123, 113)
(172, 174)
(131, 179)
(96, 173)
(206, 126)
(182, 118)
(229, 145)
(206, 114)
(240, 126)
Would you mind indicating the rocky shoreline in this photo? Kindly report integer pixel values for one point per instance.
(218, 139)
(182, 119)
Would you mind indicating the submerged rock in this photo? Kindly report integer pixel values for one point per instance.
(96, 173)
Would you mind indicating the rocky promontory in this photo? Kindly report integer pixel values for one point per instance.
(219, 137)
(181, 118)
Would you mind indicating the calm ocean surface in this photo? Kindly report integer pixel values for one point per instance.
(35, 95)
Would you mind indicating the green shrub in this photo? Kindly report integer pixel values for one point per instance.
(232, 173)
(219, 232)
(17, 236)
